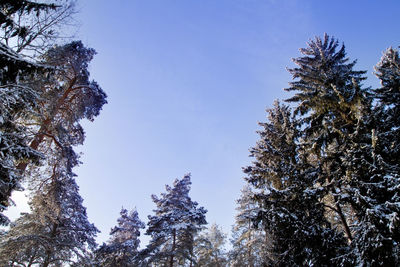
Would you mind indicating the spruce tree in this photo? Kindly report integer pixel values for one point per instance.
(330, 99)
(388, 108)
(373, 172)
(289, 204)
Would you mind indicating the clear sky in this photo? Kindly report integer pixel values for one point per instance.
(187, 82)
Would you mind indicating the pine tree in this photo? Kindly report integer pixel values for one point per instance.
(248, 243)
(122, 248)
(173, 228)
(57, 229)
(67, 96)
(209, 248)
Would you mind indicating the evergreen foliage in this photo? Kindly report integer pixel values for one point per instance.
(323, 188)
(122, 249)
(57, 229)
(373, 172)
(249, 243)
(209, 248)
(330, 101)
(331, 170)
(289, 206)
(174, 225)
(43, 100)
(57, 226)
(18, 76)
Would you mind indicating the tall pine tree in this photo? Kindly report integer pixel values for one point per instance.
(56, 231)
(173, 227)
(122, 248)
(57, 227)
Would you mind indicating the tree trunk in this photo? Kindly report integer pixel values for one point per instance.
(36, 142)
(344, 221)
(47, 122)
(339, 210)
(171, 260)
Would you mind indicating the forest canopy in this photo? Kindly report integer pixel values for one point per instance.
(322, 189)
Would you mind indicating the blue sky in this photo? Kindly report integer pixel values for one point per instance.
(187, 82)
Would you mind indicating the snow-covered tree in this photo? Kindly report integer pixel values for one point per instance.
(388, 107)
(373, 172)
(31, 27)
(23, 26)
(17, 100)
(210, 248)
(330, 101)
(249, 244)
(66, 97)
(289, 206)
(174, 225)
(56, 231)
(122, 248)
(57, 227)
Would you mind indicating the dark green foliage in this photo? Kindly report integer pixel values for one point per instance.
(57, 228)
(290, 209)
(388, 108)
(275, 152)
(340, 156)
(18, 98)
(373, 172)
(330, 103)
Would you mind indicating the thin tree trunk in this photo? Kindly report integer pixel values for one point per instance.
(171, 260)
(339, 210)
(344, 221)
